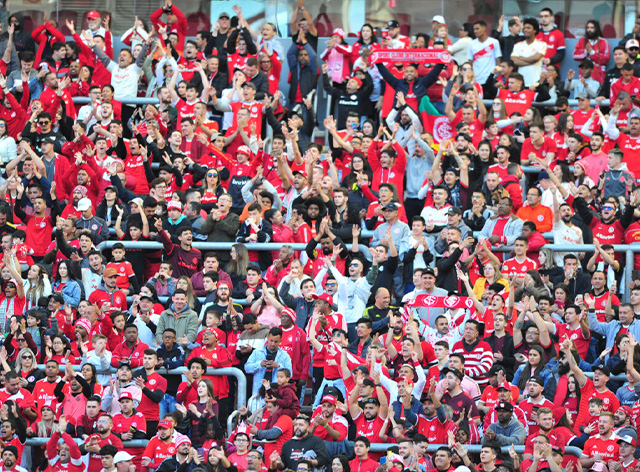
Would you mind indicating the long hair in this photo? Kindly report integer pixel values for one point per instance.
(36, 289)
(549, 262)
(211, 395)
(528, 372)
(240, 264)
(562, 123)
(596, 25)
(374, 38)
(503, 109)
(344, 461)
(191, 298)
(23, 351)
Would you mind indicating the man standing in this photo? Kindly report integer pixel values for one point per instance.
(520, 264)
(484, 52)
(528, 54)
(186, 259)
(221, 225)
(108, 297)
(478, 354)
(329, 426)
(179, 317)
(153, 386)
(552, 36)
(105, 436)
(160, 447)
(593, 46)
(536, 212)
(303, 445)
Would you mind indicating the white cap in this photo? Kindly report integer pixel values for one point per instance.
(438, 19)
(122, 456)
(84, 204)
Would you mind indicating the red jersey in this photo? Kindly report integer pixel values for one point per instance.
(554, 40)
(125, 270)
(370, 429)
(185, 110)
(514, 268)
(581, 117)
(517, 101)
(148, 408)
(158, 450)
(609, 448)
(528, 407)
(43, 394)
(617, 86)
(337, 422)
(563, 331)
(117, 299)
(548, 146)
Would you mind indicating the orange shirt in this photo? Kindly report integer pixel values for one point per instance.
(541, 215)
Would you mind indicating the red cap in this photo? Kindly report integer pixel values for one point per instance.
(166, 424)
(245, 150)
(93, 14)
(627, 410)
(338, 32)
(225, 283)
(125, 396)
(174, 205)
(325, 296)
(359, 82)
(290, 313)
(505, 385)
(329, 399)
(210, 330)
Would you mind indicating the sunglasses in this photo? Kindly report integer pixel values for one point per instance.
(608, 207)
(44, 122)
(27, 357)
(212, 175)
(21, 340)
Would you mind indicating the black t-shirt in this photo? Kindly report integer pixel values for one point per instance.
(311, 39)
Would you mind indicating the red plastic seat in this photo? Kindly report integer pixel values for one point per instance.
(63, 16)
(197, 21)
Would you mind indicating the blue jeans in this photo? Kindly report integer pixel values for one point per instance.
(337, 383)
(167, 405)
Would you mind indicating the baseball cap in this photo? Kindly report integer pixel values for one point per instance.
(174, 205)
(125, 396)
(393, 24)
(626, 409)
(372, 401)
(632, 43)
(57, 297)
(124, 363)
(558, 449)
(429, 271)
(249, 84)
(537, 379)
(506, 406)
(49, 139)
(93, 14)
(588, 63)
(84, 204)
(84, 323)
(454, 211)
(495, 368)
(166, 424)
(122, 456)
(146, 295)
(603, 369)
(455, 372)
(224, 14)
(542, 176)
(362, 368)
(583, 96)
(438, 19)
(391, 206)
(505, 386)
(324, 297)
(137, 201)
(302, 173)
(627, 438)
(329, 399)
(109, 272)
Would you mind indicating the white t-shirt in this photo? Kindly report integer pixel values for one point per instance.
(563, 234)
(484, 57)
(531, 73)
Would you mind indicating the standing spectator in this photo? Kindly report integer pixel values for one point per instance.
(484, 52)
(552, 36)
(528, 54)
(594, 47)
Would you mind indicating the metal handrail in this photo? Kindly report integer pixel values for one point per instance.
(232, 371)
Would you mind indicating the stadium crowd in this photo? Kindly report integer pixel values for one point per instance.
(424, 309)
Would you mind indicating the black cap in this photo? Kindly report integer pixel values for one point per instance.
(393, 206)
(506, 406)
(373, 401)
(124, 363)
(146, 295)
(495, 368)
(57, 297)
(588, 63)
(454, 211)
(603, 369)
(362, 368)
(537, 379)
(49, 139)
(393, 24)
(428, 271)
(249, 84)
(455, 372)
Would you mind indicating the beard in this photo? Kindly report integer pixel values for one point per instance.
(591, 35)
(563, 368)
